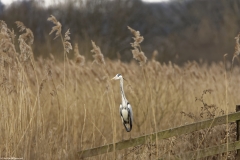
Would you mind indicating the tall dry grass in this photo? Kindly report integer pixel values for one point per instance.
(51, 109)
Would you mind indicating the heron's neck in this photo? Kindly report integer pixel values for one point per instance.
(124, 100)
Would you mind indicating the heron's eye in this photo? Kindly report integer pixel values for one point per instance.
(118, 75)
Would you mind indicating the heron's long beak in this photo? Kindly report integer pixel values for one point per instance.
(113, 78)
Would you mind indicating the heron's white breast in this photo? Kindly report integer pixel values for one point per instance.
(125, 114)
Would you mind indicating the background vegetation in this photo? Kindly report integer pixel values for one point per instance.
(180, 31)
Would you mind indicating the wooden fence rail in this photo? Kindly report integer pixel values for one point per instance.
(233, 117)
(201, 153)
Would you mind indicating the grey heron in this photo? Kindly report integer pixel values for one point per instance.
(125, 109)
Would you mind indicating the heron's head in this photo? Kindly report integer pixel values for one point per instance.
(118, 76)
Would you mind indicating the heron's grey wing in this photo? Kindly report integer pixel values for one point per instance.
(130, 110)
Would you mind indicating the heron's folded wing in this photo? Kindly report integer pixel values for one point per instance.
(120, 109)
(130, 110)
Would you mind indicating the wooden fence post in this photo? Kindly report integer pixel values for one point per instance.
(238, 131)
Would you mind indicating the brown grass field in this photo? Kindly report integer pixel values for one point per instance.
(51, 109)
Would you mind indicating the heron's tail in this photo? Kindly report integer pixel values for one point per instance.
(127, 129)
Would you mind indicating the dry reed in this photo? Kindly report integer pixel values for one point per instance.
(98, 56)
(79, 59)
(137, 52)
(75, 109)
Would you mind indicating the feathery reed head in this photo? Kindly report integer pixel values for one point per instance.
(11, 34)
(137, 38)
(3, 25)
(137, 52)
(154, 55)
(98, 56)
(28, 36)
(25, 40)
(237, 48)
(7, 42)
(25, 49)
(79, 59)
(237, 45)
(21, 26)
(67, 44)
(57, 27)
(135, 33)
(139, 55)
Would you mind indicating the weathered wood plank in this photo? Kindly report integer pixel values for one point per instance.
(161, 135)
(205, 152)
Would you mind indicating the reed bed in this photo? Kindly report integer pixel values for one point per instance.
(51, 109)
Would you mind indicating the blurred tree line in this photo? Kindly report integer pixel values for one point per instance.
(179, 30)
